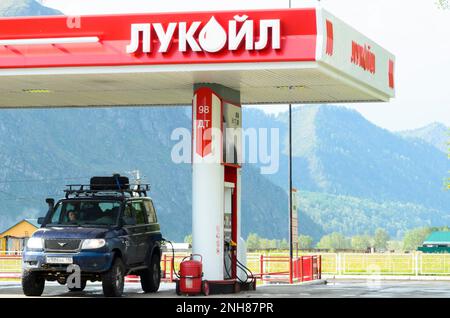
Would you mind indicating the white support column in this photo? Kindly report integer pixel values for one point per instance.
(212, 113)
(207, 183)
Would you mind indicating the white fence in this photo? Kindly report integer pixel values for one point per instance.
(410, 264)
(386, 264)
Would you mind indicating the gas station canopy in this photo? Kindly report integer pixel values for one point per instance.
(276, 56)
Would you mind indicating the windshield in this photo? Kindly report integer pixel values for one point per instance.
(85, 213)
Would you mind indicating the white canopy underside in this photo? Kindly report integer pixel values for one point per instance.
(259, 83)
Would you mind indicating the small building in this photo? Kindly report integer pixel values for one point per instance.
(15, 238)
(436, 242)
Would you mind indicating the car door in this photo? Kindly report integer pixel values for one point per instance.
(141, 230)
(154, 228)
(131, 238)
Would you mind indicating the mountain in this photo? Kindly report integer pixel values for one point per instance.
(436, 134)
(356, 216)
(44, 149)
(337, 152)
(15, 8)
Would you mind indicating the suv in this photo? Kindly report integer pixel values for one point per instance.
(108, 228)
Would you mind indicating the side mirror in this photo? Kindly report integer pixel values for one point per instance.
(41, 220)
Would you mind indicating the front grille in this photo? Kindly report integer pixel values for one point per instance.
(62, 245)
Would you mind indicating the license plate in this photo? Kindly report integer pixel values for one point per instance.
(59, 260)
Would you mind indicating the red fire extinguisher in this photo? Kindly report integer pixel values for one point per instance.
(191, 275)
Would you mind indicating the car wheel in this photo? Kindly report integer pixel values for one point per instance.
(32, 284)
(205, 288)
(151, 277)
(113, 281)
(177, 288)
(82, 287)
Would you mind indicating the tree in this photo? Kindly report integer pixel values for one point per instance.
(253, 241)
(305, 241)
(380, 239)
(415, 237)
(271, 244)
(443, 4)
(334, 241)
(396, 246)
(361, 242)
(284, 245)
(188, 239)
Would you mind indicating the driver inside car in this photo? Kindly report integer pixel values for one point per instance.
(73, 218)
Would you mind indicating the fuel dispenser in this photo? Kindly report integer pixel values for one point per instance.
(229, 245)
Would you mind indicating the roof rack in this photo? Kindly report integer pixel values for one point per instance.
(87, 190)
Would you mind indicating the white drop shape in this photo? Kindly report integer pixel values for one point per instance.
(212, 37)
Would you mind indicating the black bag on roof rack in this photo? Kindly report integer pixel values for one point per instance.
(116, 182)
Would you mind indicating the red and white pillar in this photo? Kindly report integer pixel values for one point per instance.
(211, 177)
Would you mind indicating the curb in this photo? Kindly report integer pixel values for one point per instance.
(388, 277)
(308, 283)
(312, 282)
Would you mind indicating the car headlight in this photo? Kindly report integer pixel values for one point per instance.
(93, 244)
(35, 243)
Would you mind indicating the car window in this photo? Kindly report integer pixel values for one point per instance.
(139, 212)
(57, 214)
(89, 212)
(61, 213)
(150, 211)
(128, 212)
(128, 215)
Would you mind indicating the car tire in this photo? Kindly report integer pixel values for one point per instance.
(113, 281)
(151, 277)
(32, 284)
(205, 288)
(177, 288)
(82, 287)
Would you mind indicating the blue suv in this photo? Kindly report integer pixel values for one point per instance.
(108, 228)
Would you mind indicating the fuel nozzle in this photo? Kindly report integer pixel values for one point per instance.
(230, 245)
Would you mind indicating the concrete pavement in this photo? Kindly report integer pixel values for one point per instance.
(335, 288)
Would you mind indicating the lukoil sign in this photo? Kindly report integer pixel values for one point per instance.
(211, 38)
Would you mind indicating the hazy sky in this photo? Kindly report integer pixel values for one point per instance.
(416, 31)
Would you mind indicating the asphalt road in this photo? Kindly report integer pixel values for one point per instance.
(334, 288)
